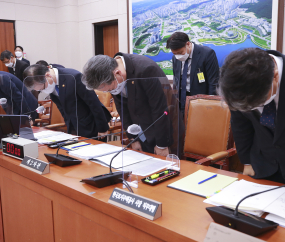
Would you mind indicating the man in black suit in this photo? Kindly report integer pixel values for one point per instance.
(15, 67)
(202, 69)
(80, 108)
(17, 95)
(133, 80)
(19, 52)
(253, 86)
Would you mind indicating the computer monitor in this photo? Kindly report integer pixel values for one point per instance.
(15, 124)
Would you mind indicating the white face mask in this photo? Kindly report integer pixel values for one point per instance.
(19, 54)
(10, 64)
(182, 57)
(119, 87)
(50, 88)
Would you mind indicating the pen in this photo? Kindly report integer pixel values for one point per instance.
(207, 179)
(79, 146)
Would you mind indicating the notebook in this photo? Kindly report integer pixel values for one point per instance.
(206, 189)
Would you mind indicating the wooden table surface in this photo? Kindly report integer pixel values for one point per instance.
(184, 217)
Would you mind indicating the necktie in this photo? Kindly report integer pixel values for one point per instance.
(183, 86)
(268, 115)
(57, 89)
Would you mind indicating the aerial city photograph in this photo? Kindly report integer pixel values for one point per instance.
(223, 25)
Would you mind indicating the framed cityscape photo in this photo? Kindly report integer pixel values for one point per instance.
(223, 25)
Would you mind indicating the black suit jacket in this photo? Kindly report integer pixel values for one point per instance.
(57, 66)
(25, 60)
(19, 70)
(146, 100)
(17, 95)
(204, 60)
(79, 106)
(256, 145)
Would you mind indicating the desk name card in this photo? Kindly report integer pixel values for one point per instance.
(35, 165)
(220, 233)
(137, 204)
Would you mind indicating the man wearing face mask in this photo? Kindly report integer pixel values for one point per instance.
(195, 67)
(143, 101)
(19, 51)
(15, 67)
(252, 84)
(79, 107)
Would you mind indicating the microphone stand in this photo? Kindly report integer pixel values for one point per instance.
(248, 224)
(116, 177)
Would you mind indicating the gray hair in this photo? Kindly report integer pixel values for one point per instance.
(98, 70)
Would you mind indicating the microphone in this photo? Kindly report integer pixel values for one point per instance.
(40, 109)
(63, 160)
(117, 177)
(248, 224)
(3, 101)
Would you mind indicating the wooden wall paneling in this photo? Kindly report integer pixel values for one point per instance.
(27, 215)
(7, 39)
(110, 39)
(72, 227)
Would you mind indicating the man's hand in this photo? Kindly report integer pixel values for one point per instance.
(101, 134)
(162, 152)
(137, 146)
(248, 170)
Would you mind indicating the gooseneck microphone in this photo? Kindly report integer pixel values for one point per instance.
(112, 178)
(3, 101)
(40, 109)
(248, 224)
(139, 135)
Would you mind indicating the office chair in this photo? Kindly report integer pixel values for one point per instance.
(208, 135)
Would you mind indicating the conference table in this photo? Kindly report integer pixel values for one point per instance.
(58, 207)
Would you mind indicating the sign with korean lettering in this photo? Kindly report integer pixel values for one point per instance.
(35, 165)
(142, 206)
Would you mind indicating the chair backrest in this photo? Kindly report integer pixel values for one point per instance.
(56, 116)
(207, 126)
(104, 97)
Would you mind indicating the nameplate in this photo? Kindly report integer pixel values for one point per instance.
(35, 165)
(220, 233)
(137, 204)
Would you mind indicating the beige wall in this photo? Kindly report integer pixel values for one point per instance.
(61, 31)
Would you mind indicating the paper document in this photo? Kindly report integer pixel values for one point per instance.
(278, 206)
(125, 158)
(232, 194)
(208, 188)
(56, 138)
(276, 219)
(147, 167)
(45, 134)
(93, 151)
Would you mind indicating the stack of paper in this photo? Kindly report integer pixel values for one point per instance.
(190, 183)
(93, 151)
(232, 194)
(45, 134)
(56, 138)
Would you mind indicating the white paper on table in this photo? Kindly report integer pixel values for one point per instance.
(93, 151)
(276, 219)
(256, 213)
(220, 233)
(57, 138)
(45, 134)
(233, 193)
(125, 158)
(277, 207)
(147, 167)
